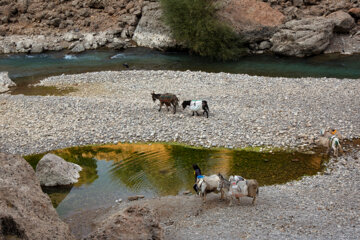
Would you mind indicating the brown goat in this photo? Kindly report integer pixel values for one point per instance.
(168, 99)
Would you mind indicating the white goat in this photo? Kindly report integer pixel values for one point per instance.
(207, 184)
(238, 187)
(331, 140)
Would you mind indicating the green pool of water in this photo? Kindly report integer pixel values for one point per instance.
(117, 171)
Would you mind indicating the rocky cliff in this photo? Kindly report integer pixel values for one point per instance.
(30, 26)
(25, 211)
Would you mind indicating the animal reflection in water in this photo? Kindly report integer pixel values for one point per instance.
(168, 99)
(196, 105)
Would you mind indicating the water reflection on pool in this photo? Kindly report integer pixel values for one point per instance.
(117, 171)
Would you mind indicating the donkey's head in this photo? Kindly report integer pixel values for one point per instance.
(154, 96)
(223, 183)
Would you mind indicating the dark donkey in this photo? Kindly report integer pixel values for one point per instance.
(168, 99)
(195, 105)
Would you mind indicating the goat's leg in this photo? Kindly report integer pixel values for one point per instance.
(161, 103)
(174, 108)
(340, 149)
(335, 151)
(207, 114)
(253, 201)
(204, 197)
(230, 202)
(328, 150)
(193, 113)
(197, 113)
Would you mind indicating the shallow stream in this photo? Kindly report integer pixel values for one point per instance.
(25, 69)
(112, 172)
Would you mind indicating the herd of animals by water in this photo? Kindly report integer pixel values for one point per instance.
(110, 174)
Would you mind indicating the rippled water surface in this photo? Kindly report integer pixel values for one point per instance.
(117, 171)
(24, 69)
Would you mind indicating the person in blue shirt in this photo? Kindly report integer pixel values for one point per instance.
(197, 172)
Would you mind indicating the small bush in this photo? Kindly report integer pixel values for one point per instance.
(193, 23)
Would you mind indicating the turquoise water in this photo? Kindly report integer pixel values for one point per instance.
(24, 69)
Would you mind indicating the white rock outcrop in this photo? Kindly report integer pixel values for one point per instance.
(304, 37)
(5, 82)
(52, 170)
(151, 31)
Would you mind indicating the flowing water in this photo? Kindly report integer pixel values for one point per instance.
(111, 172)
(24, 68)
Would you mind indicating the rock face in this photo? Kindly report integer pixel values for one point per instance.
(37, 26)
(344, 43)
(25, 211)
(255, 19)
(355, 12)
(151, 31)
(303, 37)
(53, 170)
(342, 20)
(5, 82)
(133, 223)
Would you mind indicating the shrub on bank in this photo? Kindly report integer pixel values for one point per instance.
(193, 23)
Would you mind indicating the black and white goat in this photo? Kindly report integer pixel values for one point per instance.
(330, 139)
(196, 105)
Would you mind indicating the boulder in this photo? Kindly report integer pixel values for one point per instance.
(355, 12)
(71, 36)
(5, 82)
(304, 37)
(264, 45)
(298, 3)
(343, 21)
(117, 44)
(344, 44)
(77, 47)
(151, 31)
(25, 211)
(253, 19)
(311, 2)
(52, 170)
(133, 223)
(37, 47)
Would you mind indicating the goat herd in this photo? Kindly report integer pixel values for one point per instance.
(170, 100)
(235, 188)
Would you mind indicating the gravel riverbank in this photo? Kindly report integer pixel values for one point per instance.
(244, 111)
(117, 106)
